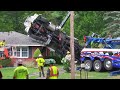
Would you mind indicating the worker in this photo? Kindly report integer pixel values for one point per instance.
(2, 43)
(52, 72)
(41, 62)
(1, 72)
(68, 56)
(68, 61)
(21, 72)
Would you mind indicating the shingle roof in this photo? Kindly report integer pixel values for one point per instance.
(17, 39)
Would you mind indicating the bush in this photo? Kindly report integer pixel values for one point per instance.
(36, 53)
(47, 61)
(5, 62)
(66, 65)
(56, 58)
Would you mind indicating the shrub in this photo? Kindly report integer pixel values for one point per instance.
(56, 57)
(66, 65)
(36, 53)
(47, 61)
(5, 62)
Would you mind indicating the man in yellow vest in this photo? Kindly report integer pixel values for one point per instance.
(52, 72)
(40, 62)
(2, 43)
(21, 72)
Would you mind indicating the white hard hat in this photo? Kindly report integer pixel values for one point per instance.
(68, 52)
(40, 55)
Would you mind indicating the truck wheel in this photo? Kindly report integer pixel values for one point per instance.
(97, 65)
(108, 64)
(88, 65)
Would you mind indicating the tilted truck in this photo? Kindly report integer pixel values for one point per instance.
(101, 53)
(45, 32)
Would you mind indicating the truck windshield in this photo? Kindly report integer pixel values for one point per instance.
(116, 46)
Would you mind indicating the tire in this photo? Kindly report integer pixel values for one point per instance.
(97, 65)
(108, 64)
(88, 64)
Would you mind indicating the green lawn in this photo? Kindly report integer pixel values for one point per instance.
(93, 75)
(8, 74)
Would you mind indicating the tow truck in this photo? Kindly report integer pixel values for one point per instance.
(101, 53)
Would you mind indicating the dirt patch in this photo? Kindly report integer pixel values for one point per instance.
(114, 77)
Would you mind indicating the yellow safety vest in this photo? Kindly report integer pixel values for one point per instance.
(53, 72)
(2, 43)
(40, 61)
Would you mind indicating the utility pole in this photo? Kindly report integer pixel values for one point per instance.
(72, 45)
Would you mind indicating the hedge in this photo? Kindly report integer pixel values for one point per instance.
(5, 62)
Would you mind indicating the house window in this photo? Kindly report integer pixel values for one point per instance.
(10, 51)
(21, 52)
(24, 52)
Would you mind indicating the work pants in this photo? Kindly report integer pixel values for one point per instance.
(41, 70)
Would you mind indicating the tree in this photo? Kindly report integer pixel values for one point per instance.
(86, 22)
(36, 53)
(112, 20)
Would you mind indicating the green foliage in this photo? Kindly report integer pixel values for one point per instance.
(112, 25)
(5, 62)
(66, 65)
(56, 58)
(36, 53)
(47, 61)
(85, 22)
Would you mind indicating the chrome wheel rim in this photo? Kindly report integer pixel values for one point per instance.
(108, 64)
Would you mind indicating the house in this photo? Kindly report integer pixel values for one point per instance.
(22, 46)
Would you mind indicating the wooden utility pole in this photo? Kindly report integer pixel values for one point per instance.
(72, 45)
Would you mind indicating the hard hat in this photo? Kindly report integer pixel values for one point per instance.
(68, 52)
(20, 61)
(40, 55)
(52, 61)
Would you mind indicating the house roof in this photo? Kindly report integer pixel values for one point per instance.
(17, 39)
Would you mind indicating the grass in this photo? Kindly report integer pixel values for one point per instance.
(8, 74)
(64, 76)
(93, 75)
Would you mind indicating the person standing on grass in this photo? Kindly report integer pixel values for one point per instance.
(52, 72)
(68, 61)
(40, 62)
(21, 72)
(1, 72)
